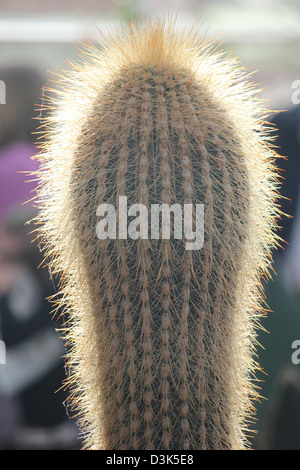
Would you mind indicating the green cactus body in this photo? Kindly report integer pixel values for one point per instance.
(161, 339)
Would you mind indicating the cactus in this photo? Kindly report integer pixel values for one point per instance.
(161, 339)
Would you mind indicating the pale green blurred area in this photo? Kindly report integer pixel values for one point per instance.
(264, 35)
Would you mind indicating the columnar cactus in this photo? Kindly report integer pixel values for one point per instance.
(161, 338)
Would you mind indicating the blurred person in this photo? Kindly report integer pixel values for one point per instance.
(32, 413)
(278, 417)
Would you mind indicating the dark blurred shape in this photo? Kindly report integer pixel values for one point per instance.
(23, 85)
(282, 429)
(288, 141)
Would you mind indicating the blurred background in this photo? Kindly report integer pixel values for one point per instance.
(38, 37)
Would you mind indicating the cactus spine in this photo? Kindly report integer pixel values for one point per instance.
(161, 339)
